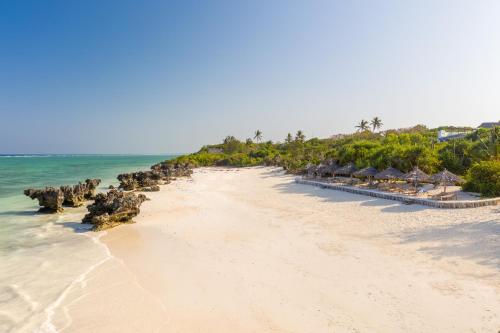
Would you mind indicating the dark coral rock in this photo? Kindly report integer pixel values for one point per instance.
(170, 169)
(154, 188)
(113, 208)
(137, 180)
(50, 198)
(92, 185)
(74, 196)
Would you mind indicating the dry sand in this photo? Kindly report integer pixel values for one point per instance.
(248, 250)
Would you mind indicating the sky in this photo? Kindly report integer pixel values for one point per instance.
(170, 76)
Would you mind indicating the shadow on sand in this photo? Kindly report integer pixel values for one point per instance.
(77, 227)
(477, 241)
(21, 213)
(329, 195)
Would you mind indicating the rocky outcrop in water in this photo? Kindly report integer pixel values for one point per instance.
(76, 195)
(138, 180)
(72, 196)
(50, 199)
(160, 173)
(172, 170)
(113, 208)
(92, 185)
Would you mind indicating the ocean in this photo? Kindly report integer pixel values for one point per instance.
(44, 256)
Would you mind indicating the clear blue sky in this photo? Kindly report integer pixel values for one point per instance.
(168, 76)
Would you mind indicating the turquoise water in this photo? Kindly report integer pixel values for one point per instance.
(20, 172)
(44, 256)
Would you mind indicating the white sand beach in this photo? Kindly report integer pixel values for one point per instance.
(249, 250)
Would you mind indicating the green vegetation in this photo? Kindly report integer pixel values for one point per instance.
(484, 177)
(476, 155)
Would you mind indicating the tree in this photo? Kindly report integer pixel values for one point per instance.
(289, 138)
(258, 136)
(300, 136)
(248, 142)
(376, 123)
(362, 126)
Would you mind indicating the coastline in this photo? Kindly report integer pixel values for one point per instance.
(245, 250)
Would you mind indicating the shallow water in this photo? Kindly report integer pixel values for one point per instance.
(44, 256)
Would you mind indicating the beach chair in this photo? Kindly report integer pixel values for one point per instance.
(445, 196)
(425, 189)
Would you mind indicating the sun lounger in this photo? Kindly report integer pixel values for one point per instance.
(444, 196)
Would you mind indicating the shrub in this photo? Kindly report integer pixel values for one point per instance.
(484, 177)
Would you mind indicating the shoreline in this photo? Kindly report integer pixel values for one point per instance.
(251, 250)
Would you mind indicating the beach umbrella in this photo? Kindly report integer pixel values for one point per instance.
(416, 176)
(328, 168)
(320, 169)
(310, 169)
(446, 177)
(348, 170)
(367, 172)
(332, 168)
(389, 174)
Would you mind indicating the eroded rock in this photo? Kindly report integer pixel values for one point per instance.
(154, 188)
(169, 169)
(113, 208)
(137, 180)
(92, 185)
(74, 196)
(50, 199)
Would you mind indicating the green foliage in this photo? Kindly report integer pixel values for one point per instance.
(484, 177)
(402, 149)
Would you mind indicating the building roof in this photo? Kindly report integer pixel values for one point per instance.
(489, 124)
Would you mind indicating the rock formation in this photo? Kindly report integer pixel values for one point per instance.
(171, 170)
(92, 185)
(76, 195)
(113, 208)
(50, 199)
(160, 173)
(72, 196)
(138, 180)
(154, 188)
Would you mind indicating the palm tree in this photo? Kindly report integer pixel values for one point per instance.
(376, 123)
(300, 136)
(289, 138)
(362, 126)
(258, 136)
(229, 139)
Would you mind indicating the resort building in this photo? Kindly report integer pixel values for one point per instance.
(445, 135)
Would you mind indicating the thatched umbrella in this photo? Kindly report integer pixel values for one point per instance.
(311, 169)
(365, 172)
(389, 174)
(347, 170)
(445, 177)
(416, 176)
(328, 168)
